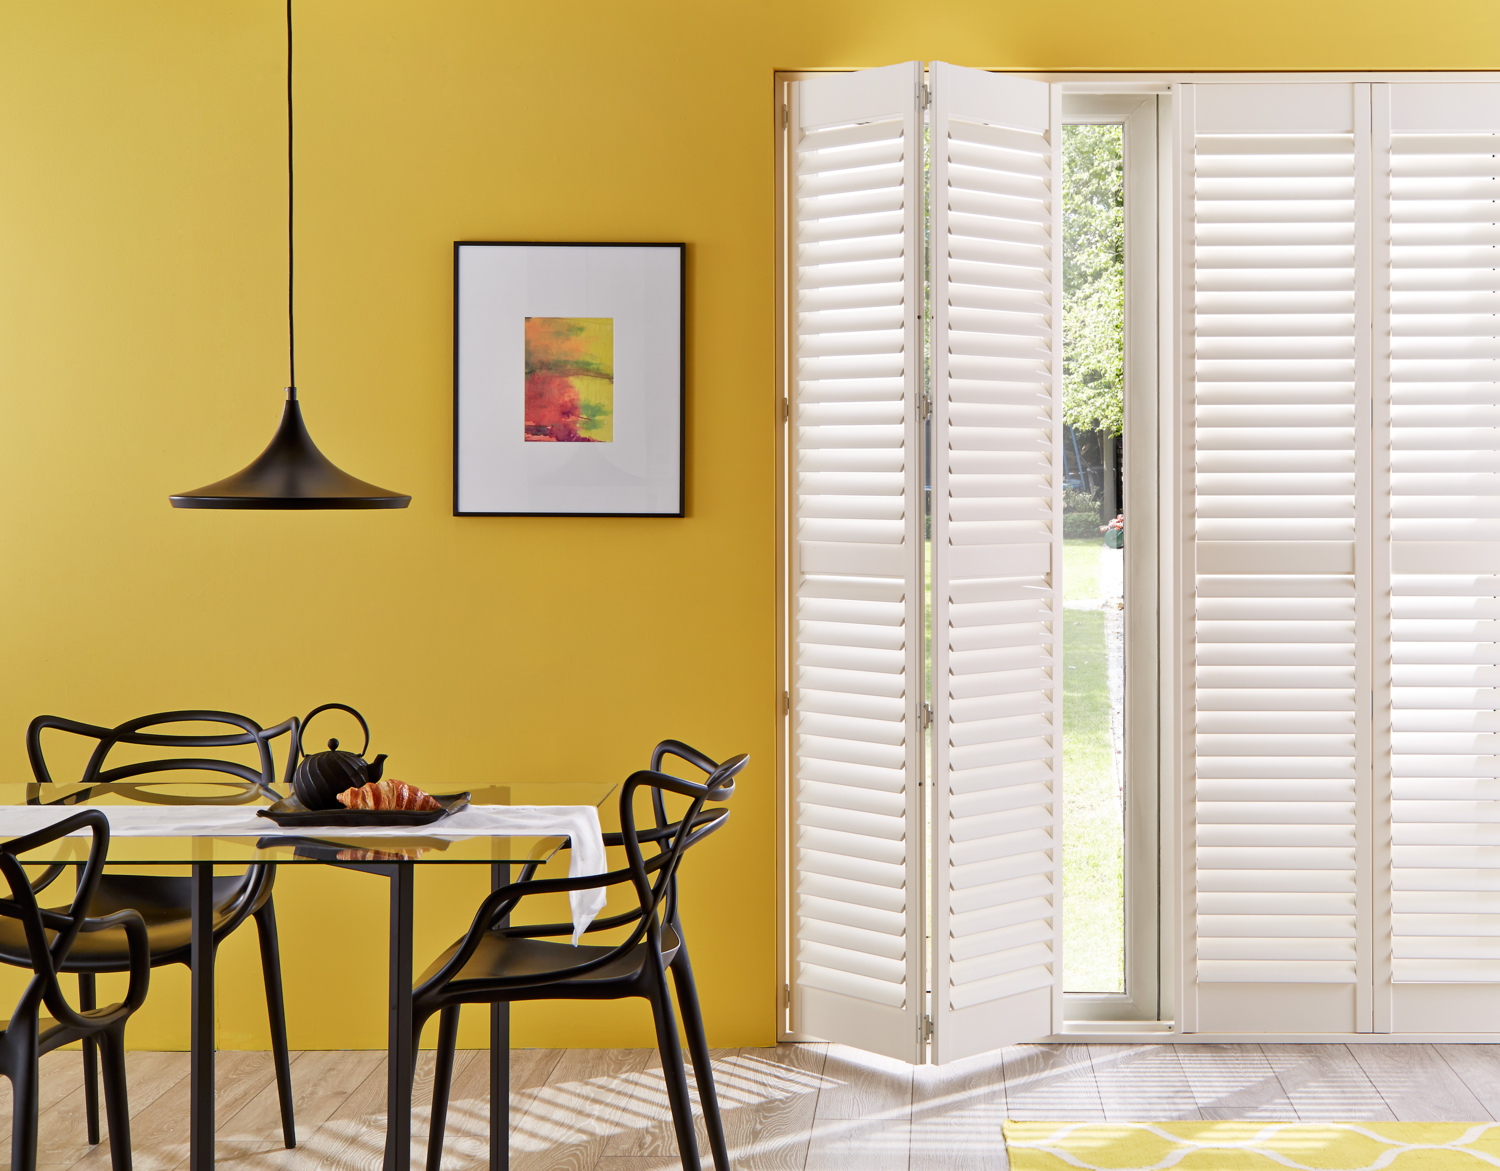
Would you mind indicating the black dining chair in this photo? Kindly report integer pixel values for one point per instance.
(498, 962)
(164, 902)
(28, 1034)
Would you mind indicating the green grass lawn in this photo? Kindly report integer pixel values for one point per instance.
(1081, 568)
(1093, 860)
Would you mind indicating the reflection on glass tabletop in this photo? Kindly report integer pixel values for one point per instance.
(424, 844)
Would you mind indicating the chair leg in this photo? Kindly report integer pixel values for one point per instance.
(25, 1106)
(442, 1084)
(270, 964)
(703, 1071)
(676, 1075)
(116, 1099)
(87, 999)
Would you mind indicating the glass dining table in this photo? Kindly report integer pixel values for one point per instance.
(393, 856)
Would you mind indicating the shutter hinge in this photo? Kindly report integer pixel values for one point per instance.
(924, 96)
(786, 409)
(926, 716)
(925, 406)
(785, 114)
(786, 703)
(786, 995)
(926, 1028)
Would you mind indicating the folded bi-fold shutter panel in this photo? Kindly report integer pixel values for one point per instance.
(856, 555)
(1276, 402)
(1437, 264)
(996, 532)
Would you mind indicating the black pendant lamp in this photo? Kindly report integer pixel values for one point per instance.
(291, 472)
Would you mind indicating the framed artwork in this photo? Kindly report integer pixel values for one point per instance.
(567, 379)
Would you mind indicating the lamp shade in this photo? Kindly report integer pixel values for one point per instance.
(290, 473)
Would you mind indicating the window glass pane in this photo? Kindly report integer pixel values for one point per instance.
(1093, 566)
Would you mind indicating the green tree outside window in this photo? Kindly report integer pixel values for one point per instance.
(1094, 279)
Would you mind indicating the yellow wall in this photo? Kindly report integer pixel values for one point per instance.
(142, 352)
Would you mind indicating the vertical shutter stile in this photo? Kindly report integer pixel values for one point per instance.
(996, 532)
(1185, 500)
(1277, 291)
(1380, 564)
(1439, 333)
(856, 547)
(1371, 868)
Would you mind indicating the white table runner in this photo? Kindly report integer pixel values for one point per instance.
(579, 823)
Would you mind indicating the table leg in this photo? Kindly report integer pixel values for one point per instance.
(201, 1070)
(500, 1058)
(400, 1056)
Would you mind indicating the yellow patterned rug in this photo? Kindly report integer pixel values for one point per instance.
(1253, 1146)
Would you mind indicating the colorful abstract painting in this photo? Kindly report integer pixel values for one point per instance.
(570, 379)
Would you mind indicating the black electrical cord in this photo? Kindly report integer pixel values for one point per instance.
(291, 319)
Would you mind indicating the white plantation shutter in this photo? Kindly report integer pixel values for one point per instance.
(1437, 258)
(997, 531)
(1340, 511)
(856, 517)
(1276, 402)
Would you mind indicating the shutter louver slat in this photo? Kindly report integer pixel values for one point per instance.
(1276, 381)
(1439, 231)
(996, 524)
(855, 530)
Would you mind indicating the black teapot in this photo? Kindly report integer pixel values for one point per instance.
(322, 776)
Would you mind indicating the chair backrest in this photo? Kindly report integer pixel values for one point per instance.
(709, 822)
(47, 957)
(136, 733)
(653, 877)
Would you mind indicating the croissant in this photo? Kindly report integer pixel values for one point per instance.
(388, 795)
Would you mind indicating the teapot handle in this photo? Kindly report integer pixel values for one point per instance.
(343, 707)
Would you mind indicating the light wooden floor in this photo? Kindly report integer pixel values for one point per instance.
(790, 1108)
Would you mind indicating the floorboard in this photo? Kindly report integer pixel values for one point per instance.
(1235, 1082)
(785, 1107)
(1324, 1083)
(1142, 1081)
(1418, 1085)
(769, 1098)
(1050, 1081)
(957, 1114)
(148, 1077)
(658, 1136)
(1478, 1067)
(859, 1144)
(589, 1097)
(860, 1085)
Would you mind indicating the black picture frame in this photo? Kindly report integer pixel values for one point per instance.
(677, 395)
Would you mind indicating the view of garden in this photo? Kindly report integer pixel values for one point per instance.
(1093, 573)
(1093, 813)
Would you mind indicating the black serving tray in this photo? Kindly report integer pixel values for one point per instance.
(291, 813)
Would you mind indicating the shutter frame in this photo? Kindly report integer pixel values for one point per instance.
(856, 873)
(997, 955)
(1269, 402)
(1437, 230)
